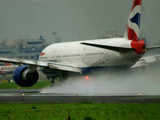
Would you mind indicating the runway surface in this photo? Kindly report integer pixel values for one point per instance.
(140, 86)
(32, 96)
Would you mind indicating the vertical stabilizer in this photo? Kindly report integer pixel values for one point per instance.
(133, 27)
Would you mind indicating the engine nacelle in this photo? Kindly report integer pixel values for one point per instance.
(25, 77)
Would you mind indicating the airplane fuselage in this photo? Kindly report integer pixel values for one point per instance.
(83, 56)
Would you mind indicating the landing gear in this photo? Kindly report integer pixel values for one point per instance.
(60, 77)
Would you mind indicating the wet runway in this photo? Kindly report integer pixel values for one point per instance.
(32, 96)
(140, 86)
(108, 83)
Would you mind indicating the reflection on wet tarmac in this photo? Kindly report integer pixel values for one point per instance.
(118, 83)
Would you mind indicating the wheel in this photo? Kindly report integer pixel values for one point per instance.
(61, 76)
(64, 75)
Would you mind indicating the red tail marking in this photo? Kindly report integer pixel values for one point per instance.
(132, 35)
(136, 2)
(138, 46)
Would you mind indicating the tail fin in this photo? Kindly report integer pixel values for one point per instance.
(133, 27)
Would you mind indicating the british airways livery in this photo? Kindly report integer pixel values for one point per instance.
(62, 58)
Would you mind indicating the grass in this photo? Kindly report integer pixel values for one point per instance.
(79, 111)
(38, 85)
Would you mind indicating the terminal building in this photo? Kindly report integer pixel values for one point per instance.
(26, 48)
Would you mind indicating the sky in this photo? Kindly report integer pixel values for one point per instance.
(75, 19)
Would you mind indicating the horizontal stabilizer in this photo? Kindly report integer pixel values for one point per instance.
(153, 47)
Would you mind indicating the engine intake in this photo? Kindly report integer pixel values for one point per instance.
(25, 77)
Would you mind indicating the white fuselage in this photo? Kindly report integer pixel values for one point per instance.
(83, 56)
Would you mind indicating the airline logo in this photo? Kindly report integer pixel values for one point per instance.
(134, 20)
(42, 54)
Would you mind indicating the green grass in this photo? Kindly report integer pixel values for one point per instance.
(38, 85)
(80, 111)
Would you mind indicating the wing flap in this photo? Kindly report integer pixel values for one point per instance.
(64, 67)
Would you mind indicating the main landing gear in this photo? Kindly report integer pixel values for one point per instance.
(56, 78)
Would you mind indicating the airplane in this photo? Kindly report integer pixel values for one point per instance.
(146, 62)
(80, 57)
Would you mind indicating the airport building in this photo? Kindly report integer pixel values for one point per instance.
(26, 48)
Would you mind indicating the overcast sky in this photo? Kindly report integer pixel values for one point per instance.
(75, 19)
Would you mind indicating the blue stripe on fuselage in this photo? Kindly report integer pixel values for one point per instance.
(90, 69)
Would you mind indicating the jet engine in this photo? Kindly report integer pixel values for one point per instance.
(25, 76)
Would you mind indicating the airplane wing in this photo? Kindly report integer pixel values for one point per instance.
(119, 48)
(143, 62)
(146, 61)
(109, 47)
(52, 65)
